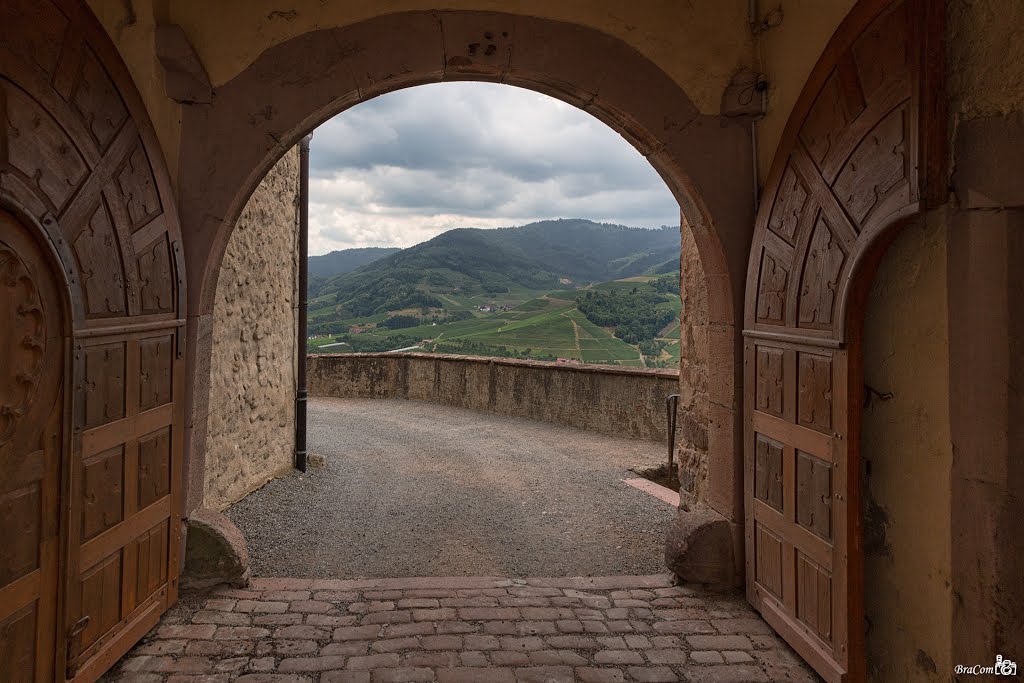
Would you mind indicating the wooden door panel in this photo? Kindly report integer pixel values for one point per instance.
(31, 443)
(99, 598)
(861, 149)
(18, 644)
(120, 553)
(156, 359)
(154, 468)
(95, 515)
(792, 504)
(814, 495)
(102, 483)
(768, 471)
(104, 383)
(150, 570)
(814, 597)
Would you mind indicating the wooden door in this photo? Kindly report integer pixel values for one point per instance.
(80, 166)
(33, 346)
(119, 535)
(863, 150)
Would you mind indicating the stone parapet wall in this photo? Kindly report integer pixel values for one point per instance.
(605, 399)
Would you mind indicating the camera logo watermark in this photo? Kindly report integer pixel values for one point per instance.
(1003, 667)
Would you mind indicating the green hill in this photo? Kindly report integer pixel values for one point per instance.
(346, 260)
(585, 251)
(563, 289)
(612, 322)
(549, 255)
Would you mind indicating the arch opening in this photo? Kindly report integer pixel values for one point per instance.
(265, 233)
(704, 163)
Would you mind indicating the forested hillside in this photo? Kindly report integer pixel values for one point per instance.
(559, 254)
(567, 290)
(346, 260)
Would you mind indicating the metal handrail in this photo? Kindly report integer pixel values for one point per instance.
(672, 407)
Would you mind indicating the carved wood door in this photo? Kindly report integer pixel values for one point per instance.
(81, 169)
(33, 347)
(862, 151)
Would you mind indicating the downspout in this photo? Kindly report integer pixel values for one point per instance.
(754, 173)
(757, 27)
(303, 277)
(752, 12)
(752, 19)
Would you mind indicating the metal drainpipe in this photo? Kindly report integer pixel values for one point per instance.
(300, 374)
(753, 18)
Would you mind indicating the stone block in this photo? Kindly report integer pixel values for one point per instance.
(215, 551)
(699, 548)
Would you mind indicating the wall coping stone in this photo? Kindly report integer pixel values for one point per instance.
(519, 362)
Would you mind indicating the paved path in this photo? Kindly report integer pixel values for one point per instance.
(418, 489)
(459, 630)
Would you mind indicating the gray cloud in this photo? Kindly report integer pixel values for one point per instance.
(406, 166)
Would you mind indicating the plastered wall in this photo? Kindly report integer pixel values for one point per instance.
(986, 101)
(907, 450)
(942, 562)
(699, 44)
(785, 54)
(252, 387)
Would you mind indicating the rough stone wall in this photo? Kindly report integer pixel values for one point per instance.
(609, 400)
(252, 388)
(905, 444)
(985, 59)
(692, 418)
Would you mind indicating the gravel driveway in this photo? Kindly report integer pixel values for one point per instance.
(417, 489)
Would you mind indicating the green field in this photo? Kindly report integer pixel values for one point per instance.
(536, 324)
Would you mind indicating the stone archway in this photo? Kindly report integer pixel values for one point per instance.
(228, 146)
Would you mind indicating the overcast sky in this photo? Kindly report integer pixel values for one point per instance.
(404, 167)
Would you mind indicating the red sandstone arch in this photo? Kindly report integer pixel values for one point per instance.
(862, 151)
(229, 145)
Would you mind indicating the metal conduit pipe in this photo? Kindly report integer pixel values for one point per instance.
(303, 304)
(755, 28)
(672, 408)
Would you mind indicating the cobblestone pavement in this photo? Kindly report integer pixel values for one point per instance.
(457, 629)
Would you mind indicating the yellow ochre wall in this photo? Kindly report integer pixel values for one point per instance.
(909, 521)
(699, 44)
(906, 445)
